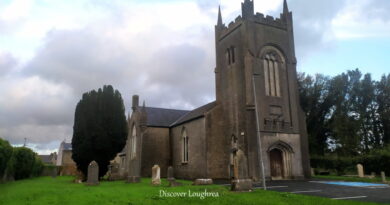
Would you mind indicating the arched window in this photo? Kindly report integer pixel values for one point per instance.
(271, 64)
(133, 143)
(231, 55)
(185, 146)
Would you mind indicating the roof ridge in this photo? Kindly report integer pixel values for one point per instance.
(167, 109)
(182, 117)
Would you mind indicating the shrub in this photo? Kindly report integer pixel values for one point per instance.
(24, 159)
(5, 155)
(376, 161)
(37, 167)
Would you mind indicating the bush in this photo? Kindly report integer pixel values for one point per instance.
(24, 159)
(376, 161)
(339, 165)
(37, 167)
(5, 155)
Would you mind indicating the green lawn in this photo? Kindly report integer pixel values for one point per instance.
(61, 190)
(352, 179)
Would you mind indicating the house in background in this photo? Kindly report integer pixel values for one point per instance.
(49, 159)
(64, 159)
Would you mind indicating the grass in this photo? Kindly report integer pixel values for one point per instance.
(350, 178)
(61, 190)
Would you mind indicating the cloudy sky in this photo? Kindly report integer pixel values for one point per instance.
(53, 51)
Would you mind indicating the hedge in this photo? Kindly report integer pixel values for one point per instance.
(376, 161)
(5, 155)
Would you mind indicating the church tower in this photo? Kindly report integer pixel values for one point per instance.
(256, 76)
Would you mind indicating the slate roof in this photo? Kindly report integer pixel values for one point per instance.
(194, 114)
(45, 158)
(67, 146)
(161, 117)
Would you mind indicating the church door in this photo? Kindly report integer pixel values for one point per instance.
(276, 159)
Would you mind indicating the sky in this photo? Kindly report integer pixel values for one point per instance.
(51, 52)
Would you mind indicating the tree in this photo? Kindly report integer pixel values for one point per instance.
(383, 100)
(348, 114)
(100, 128)
(5, 155)
(23, 159)
(316, 101)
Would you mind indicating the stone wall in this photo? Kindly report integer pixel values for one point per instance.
(218, 145)
(196, 166)
(155, 150)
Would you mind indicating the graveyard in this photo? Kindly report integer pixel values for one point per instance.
(62, 190)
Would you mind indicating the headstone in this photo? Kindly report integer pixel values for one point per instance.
(202, 182)
(360, 170)
(383, 177)
(312, 172)
(372, 176)
(93, 174)
(156, 175)
(170, 174)
(54, 172)
(171, 180)
(113, 171)
(241, 180)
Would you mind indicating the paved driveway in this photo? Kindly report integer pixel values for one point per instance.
(359, 192)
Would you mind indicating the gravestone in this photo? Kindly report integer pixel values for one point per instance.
(170, 174)
(372, 176)
(113, 172)
(383, 177)
(360, 170)
(312, 172)
(171, 180)
(241, 180)
(203, 182)
(156, 175)
(93, 173)
(54, 172)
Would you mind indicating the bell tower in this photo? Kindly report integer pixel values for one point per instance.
(256, 75)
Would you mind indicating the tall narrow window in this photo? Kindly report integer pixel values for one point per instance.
(185, 146)
(228, 56)
(271, 75)
(233, 54)
(133, 143)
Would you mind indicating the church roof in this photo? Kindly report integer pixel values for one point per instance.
(161, 117)
(45, 158)
(194, 114)
(67, 146)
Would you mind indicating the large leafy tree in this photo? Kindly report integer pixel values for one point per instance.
(100, 128)
(348, 114)
(383, 99)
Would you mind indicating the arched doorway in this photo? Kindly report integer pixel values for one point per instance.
(280, 158)
(276, 159)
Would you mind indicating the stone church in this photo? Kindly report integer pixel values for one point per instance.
(254, 124)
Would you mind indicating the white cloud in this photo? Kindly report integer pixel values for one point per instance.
(162, 51)
(362, 19)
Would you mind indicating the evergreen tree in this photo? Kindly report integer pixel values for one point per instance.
(100, 128)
